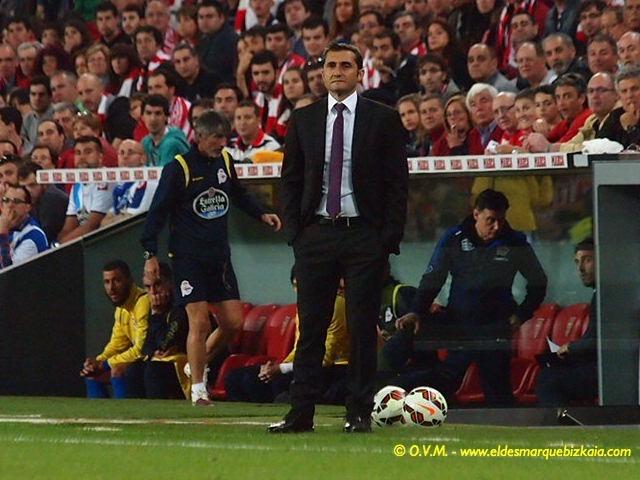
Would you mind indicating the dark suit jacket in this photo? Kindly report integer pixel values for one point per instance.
(379, 169)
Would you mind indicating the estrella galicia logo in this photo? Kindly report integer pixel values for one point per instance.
(211, 204)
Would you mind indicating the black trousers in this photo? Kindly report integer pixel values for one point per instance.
(563, 382)
(324, 254)
(161, 381)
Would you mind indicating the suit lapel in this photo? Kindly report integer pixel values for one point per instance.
(318, 128)
(359, 131)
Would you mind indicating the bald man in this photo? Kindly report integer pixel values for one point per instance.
(91, 94)
(130, 198)
(629, 50)
(482, 63)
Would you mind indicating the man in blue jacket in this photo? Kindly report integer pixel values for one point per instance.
(483, 255)
(194, 193)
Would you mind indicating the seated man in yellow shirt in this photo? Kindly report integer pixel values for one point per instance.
(120, 363)
(269, 382)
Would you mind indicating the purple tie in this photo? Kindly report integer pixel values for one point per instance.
(335, 164)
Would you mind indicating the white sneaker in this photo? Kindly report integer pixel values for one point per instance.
(200, 399)
(205, 379)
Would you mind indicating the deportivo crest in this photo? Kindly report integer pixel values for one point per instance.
(466, 245)
(211, 204)
(222, 176)
(185, 288)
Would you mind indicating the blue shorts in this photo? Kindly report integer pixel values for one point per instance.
(204, 280)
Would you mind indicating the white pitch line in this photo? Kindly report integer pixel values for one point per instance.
(102, 429)
(125, 421)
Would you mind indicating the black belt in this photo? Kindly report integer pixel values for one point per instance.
(345, 222)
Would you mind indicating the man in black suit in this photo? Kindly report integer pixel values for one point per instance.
(344, 198)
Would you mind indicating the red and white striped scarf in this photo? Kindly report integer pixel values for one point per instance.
(270, 103)
(179, 116)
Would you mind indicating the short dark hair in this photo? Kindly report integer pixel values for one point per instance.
(529, 15)
(13, 145)
(90, 139)
(586, 244)
(344, 47)
(603, 38)
(304, 3)
(28, 167)
(378, 15)
(229, 86)
(41, 80)
(491, 200)
(188, 47)
(20, 95)
(21, 19)
(433, 96)
(278, 28)
(153, 31)
(265, 56)
(204, 102)
(574, 80)
(388, 33)
(156, 101)
(587, 4)
(528, 93)
(546, 90)
(59, 128)
(11, 115)
(39, 146)
(107, 7)
(255, 31)
(314, 22)
(250, 104)
(132, 7)
(168, 72)
(121, 265)
(220, 8)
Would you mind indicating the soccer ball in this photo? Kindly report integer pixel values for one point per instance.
(387, 406)
(424, 406)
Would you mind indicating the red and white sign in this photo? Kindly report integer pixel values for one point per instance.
(417, 165)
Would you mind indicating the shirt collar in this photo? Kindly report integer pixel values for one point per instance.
(349, 102)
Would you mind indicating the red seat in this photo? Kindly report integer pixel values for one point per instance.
(470, 390)
(266, 333)
(530, 340)
(252, 327)
(571, 323)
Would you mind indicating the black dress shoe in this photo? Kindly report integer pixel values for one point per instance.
(358, 425)
(291, 426)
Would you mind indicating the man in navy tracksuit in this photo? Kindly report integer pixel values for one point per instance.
(194, 193)
(483, 255)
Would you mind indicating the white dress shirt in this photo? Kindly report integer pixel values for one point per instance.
(348, 207)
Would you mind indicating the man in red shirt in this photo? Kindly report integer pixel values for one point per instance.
(570, 96)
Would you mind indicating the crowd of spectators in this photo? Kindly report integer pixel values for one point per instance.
(468, 77)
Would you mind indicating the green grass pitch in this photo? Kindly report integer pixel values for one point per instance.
(64, 438)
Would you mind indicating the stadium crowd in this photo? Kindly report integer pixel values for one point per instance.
(87, 84)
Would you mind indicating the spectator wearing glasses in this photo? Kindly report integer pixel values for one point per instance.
(602, 98)
(20, 234)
